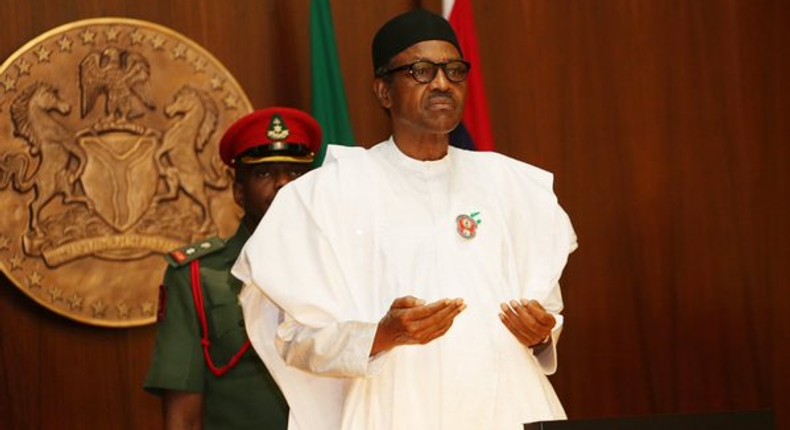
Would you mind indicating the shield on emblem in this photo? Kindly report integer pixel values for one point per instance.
(120, 175)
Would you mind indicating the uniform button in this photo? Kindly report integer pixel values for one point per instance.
(241, 323)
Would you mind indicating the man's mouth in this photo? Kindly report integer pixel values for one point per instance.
(441, 102)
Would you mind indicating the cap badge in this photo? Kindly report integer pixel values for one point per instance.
(466, 225)
(277, 129)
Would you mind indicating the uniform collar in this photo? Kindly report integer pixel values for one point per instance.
(237, 241)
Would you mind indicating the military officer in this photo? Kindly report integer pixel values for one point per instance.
(203, 366)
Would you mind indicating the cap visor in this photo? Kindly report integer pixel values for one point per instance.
(277, 159)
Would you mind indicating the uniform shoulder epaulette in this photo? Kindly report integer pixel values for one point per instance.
(189, 253)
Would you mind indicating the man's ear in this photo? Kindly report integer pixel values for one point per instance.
(238, 192)
(381, 89)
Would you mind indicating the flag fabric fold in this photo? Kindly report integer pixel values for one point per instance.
(474, 132)
(330, 107)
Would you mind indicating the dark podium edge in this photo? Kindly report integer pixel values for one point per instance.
(745, 420)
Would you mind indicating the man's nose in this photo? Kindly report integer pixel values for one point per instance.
(440, 82)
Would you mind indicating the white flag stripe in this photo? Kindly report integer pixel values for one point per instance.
(447, 7)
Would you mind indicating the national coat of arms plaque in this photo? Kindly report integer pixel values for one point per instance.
(109, 131)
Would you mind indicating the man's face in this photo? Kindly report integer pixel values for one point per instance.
(434, 107)
(257, 184)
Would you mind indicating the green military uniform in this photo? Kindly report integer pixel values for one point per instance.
(246, 397)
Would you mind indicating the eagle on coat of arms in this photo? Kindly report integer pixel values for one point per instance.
(121, 76)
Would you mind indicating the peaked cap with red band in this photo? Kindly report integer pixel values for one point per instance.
(275, 134)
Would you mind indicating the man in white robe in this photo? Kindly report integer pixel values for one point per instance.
(413, 285)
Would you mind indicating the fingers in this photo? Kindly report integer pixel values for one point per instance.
(520, 330)
(527, 321)
(408, 323)
(406, 302)
(536, 311)
(437, 323)
(434, 311)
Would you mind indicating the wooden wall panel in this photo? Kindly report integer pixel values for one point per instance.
(665, 122)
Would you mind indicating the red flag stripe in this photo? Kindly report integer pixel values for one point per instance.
(476, 118)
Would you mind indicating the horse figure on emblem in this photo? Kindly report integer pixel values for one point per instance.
(60, 160)
(179, 156)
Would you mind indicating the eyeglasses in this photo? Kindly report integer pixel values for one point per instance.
(424, 71)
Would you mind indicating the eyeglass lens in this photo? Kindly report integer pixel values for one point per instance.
(425, 71)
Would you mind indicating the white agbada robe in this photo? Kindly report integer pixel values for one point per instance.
(340, 244)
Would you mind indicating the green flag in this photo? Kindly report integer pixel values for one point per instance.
(329, 94)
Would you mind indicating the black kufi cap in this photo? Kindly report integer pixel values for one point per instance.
(407, 29)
